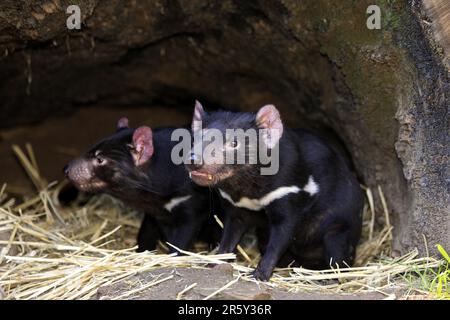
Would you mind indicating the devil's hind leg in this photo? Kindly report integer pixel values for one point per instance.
(339, 247)
(148, 235)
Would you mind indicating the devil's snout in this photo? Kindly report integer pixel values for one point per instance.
(194, 161)
(193, 157)
(78, 170)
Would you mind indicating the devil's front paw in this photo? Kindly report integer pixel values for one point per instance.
(262, 275)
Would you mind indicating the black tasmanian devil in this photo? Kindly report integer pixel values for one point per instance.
(308, 211)
(134, 165)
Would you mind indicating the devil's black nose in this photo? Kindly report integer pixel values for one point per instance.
(194, 161)
(193, 158)
(66, 170)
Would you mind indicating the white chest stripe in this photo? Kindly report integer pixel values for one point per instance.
(257, 204)
(174, 202)
(311, 187)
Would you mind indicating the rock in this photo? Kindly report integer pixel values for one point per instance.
(225, 268)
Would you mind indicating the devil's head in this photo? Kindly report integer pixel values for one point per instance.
(115, 162)
(233, 144)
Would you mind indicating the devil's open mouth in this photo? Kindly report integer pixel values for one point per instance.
(202, 176)
(207, 178)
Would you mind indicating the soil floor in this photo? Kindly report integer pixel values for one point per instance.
(208, 281)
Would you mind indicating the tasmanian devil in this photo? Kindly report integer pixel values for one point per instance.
(307, 212)
(134, 165)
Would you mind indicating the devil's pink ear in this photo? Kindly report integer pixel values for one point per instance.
(142, 145)
(268, 118)
(197, 118)
(122, 123)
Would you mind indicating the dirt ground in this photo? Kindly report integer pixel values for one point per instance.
(208, 281)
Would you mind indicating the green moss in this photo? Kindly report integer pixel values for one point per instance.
(369, 59)
(391, 14)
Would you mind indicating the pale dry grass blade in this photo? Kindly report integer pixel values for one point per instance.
(32, 171)
(229, 284)
(182, 292)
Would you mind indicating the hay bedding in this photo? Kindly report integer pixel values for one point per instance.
(54, 252)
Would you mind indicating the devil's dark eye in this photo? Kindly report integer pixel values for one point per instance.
(100, 160)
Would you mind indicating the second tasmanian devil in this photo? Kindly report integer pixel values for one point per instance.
(308, 212)
(134, 165)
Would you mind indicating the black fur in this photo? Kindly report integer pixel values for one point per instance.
(310, 230)
(149, 187)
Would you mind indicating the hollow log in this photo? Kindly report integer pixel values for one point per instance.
(383, 92)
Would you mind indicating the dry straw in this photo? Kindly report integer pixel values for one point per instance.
(51, 252)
